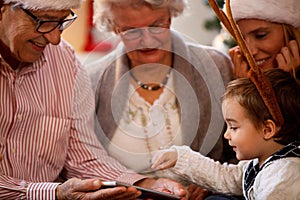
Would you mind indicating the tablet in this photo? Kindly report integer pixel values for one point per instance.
(146, 192)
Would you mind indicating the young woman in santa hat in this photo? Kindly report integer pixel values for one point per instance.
(271, 30)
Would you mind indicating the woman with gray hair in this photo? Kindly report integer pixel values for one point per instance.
(157, 88)
(103, 16)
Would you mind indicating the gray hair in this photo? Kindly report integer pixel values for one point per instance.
(103, 16)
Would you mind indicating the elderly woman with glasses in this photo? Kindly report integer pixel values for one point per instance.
(157, 88)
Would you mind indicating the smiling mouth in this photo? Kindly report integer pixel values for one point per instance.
(261, 62)
(38, 44)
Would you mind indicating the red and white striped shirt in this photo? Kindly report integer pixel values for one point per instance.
(46, 127)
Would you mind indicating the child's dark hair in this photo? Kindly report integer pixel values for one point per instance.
(287, 91)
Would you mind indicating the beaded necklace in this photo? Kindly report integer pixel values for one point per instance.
(148, 87)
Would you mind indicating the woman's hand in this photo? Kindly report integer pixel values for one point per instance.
(165, 185)
(91, 189)
(240, 65)
(288, 59)
(164, 159)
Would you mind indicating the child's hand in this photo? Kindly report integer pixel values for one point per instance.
(240, 65)
(164, 159)
(289, 59)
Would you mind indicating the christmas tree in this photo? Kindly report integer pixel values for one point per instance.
(214, 24)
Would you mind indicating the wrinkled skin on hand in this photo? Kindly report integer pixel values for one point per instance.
(75, 189)
(165, 185)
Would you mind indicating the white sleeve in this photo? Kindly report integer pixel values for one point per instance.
(201, 170)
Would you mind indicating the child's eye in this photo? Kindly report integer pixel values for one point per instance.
(233, 128)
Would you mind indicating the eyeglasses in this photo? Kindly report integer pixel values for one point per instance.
(133, 34)
(46, 26)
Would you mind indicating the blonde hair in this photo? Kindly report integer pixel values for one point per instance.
(291, 33)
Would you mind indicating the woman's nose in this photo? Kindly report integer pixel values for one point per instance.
(252, 45)
(147, 37)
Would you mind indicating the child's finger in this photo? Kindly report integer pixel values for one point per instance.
(157, 160)
(164, 159)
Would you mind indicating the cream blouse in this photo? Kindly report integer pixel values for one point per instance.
(145, 128)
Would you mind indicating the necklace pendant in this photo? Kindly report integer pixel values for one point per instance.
(156, 87)
(151, 88)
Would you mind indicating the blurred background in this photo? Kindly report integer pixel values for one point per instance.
(198, 23)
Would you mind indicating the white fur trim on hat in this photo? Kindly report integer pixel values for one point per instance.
(279, 11)
(46, 4)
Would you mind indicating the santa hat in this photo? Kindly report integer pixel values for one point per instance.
(46, 4)
(278, 11)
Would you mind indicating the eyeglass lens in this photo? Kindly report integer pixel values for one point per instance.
(46, 26)
(138, 32)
